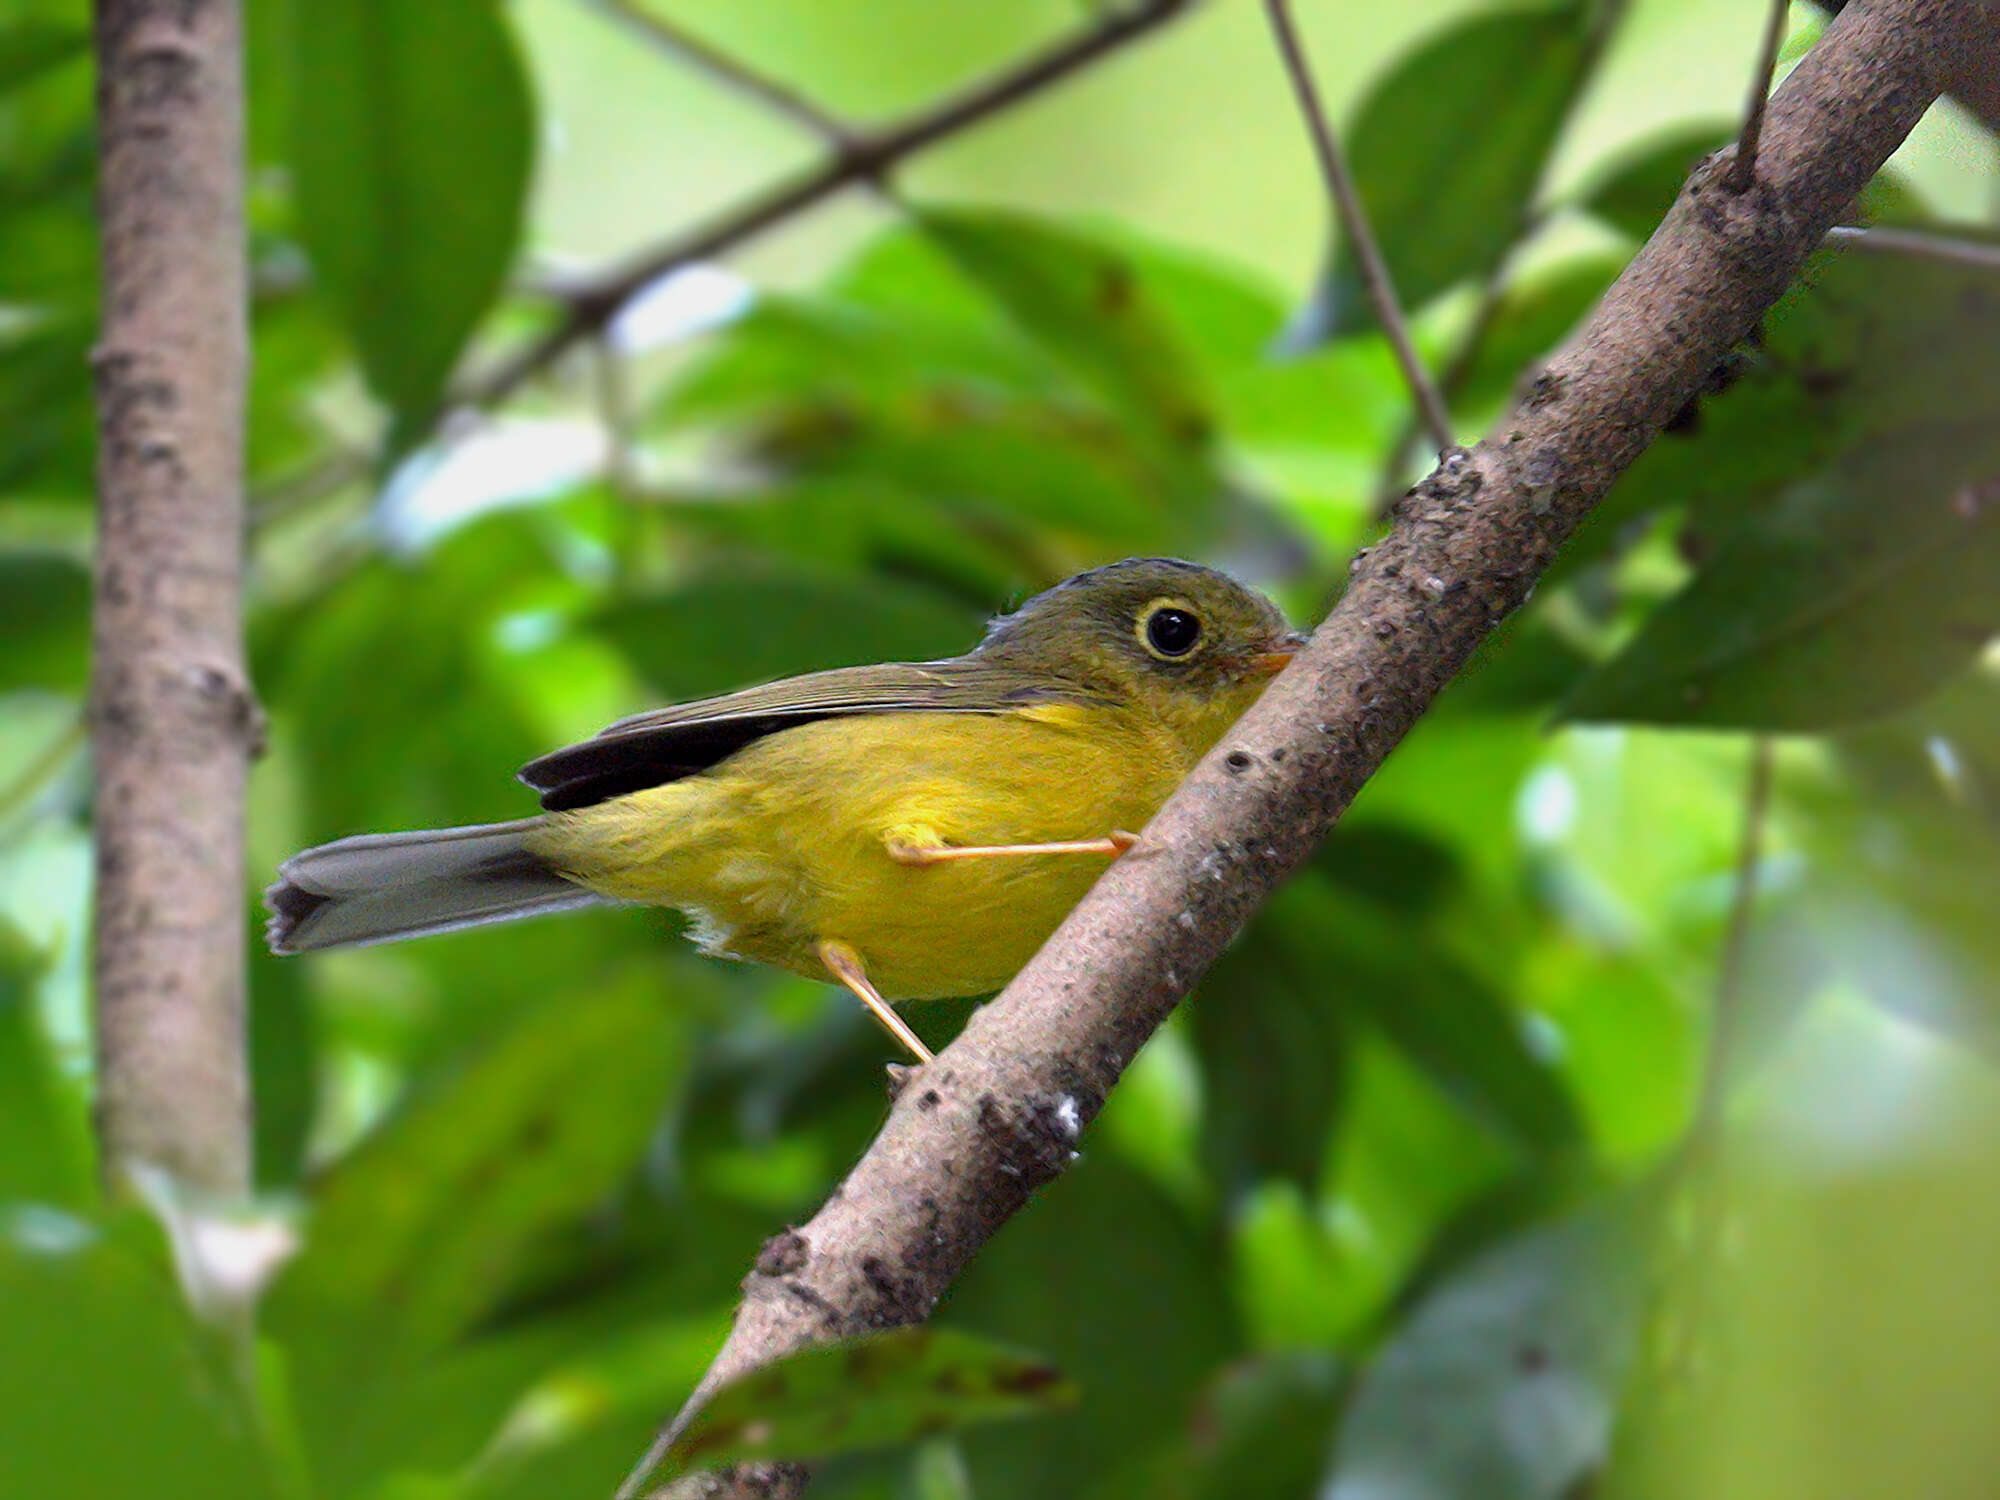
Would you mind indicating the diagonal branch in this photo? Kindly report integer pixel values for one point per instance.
(866, 158)
(999, 1112)
(1971, 68)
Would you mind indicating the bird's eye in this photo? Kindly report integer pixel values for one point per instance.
(1171, 631)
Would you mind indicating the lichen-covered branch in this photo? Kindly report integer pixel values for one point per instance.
(172, 719)
(997, 1115)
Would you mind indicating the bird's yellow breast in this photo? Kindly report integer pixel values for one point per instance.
(786, 843)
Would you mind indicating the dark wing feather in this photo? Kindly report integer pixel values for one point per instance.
(651, 749)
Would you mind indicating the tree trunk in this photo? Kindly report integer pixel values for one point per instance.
(173, 721)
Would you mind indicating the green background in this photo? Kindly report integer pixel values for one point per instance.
(1418, 1197)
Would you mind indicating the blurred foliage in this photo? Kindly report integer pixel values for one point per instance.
(411, 178)
(1428, 1193)
(1429, 134)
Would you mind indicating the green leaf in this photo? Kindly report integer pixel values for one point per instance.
(1856, 594)
(591, 1377)
(1086, 305)
(1110, 1279)
(394, 686)
(937, 1472)
(294, 350)
(1293, 1276)
(103, 1384)
(420, 1232)
(1635, 192)
(871, 1392)
(1447, 151)
(730, 627)
(413, 138)
(1889, 343)
(48, 236)
(867, 524)
(952, 396)
(30, 48)
(994, 465)
(45, 621)
(1461, 1032)
(1504, 1380)
(1404, 868)
(1217, 312)
(1861, 348)
(44, 1135)
(1534, 316)
(284, 1061)
(1272, 1033)
(1524, 666)
(851, 356)
(929, 423)
(1261, 1430)
(51, 437)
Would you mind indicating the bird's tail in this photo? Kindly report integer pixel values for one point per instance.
(384, 886)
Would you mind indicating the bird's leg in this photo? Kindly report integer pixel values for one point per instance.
(903, 852)
(844, 964)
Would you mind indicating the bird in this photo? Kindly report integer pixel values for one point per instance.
(909, 830)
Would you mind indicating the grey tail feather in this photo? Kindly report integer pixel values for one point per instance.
(384, 886)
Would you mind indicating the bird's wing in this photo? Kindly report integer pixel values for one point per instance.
(666, 744)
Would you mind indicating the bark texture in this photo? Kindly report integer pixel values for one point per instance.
(1972, 78)
(173, 721)
(1000, 1112)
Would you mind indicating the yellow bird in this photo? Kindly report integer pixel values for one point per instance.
(910, 830)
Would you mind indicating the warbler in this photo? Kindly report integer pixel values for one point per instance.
(909, 830)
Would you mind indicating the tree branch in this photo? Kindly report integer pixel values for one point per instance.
(1000, 1111)
(866, 158)
(173, 723)
(1972, 73)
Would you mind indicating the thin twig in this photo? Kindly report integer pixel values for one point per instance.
(1743, 167)
(1491, 298)
(1354, 224)
(1915, 243)
(864, 159)
(1725, 1024)
(669, 37)
(1603, 29)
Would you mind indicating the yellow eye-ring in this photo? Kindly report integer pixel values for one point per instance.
(1169, 628)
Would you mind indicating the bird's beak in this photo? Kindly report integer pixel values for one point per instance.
(1271, 663)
